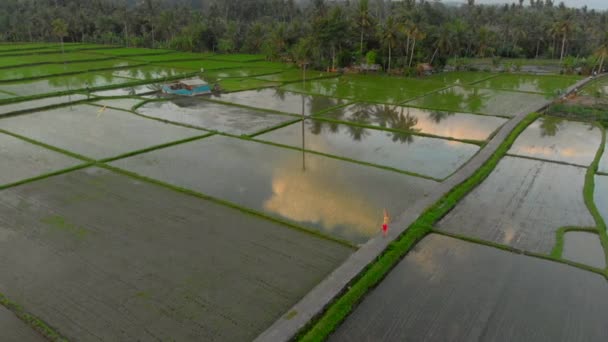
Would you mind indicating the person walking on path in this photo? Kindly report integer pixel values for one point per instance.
(387, 219)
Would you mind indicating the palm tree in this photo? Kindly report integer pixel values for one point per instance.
(565, 28)
(443, 43)
(417, 34)
(60, 29)
(602, 51)
(389, 37)
(364, 21)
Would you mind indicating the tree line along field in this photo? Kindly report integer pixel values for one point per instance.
(142, 216)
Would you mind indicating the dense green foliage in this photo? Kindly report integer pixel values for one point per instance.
(400, 34)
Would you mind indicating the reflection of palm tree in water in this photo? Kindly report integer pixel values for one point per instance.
(437, 116)
(405, 123)
(549, 126)
(475, 100)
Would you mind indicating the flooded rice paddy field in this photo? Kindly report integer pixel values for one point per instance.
(213, 116)
(462, 77)
(601, 196)
(338, 198)
(45, 70)
(23, 160)
(436, 158)
(559, 140)
(522, 205)
(266, 220)
(584, 248)
(482, 101)
(13, 329)
(120, 103)
(408, 119)
(41, 103)
(530, 83)
(603, 167)
(95, 132)
(280, 101)
(392, 90)
(162, 266)
(450, 290)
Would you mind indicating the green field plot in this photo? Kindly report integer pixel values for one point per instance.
(293, 75)
(555, 139)
(280, 101)
(30, 46)
(41, 103)
(481, 101)
(584, 248)
(338, 198)
(241, 84)
(125, 52)
(461, 77)
(45, 70)
(432, 157)
(125, 260)
(126, 104)
(240, 72)
(14, 329)
(447, 289)
(521, 205)
(239, 58)
(601, 196)
(530, 83)
(213, 116)
(12, 61)
(201, 65)
(434, 122)
(173, 56)
(22, 160)
(94, 132)
(151, 72)
(382, 89)
(53, 48)
(269, 64)
(57, 84)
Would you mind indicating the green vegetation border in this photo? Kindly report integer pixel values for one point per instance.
(321, 328)
(560, 234)
(36, 323)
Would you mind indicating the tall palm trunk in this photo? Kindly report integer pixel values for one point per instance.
(361, 43)
(412, 54)
(563, 47)
(389, 57)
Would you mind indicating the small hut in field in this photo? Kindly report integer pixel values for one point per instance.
(424, 69)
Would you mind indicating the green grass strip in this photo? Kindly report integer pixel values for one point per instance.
(36, 323)
(49, 147)
(588, 194)
(46, 175)
(396, 250)
(558, 249)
